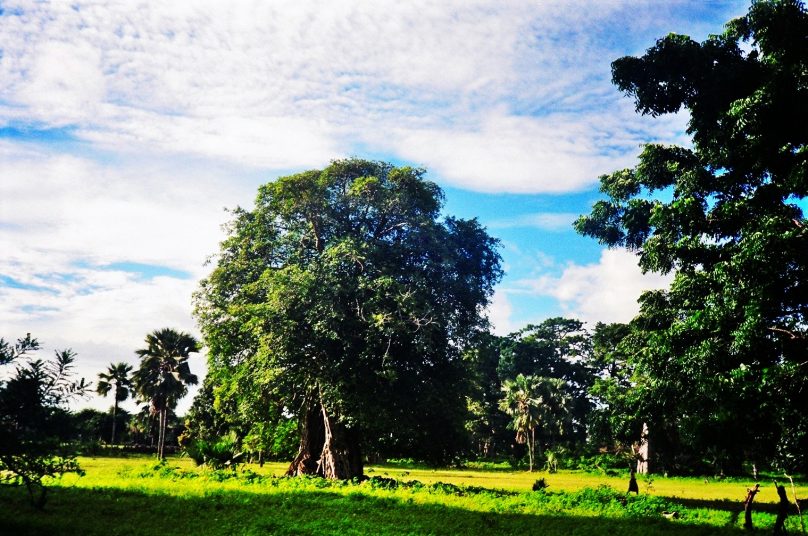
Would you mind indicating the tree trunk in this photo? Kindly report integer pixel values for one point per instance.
(747, 507)
(327, 447)
(341, 458)
(632, 482)
(160, 433)
(531, 447)
(114, 413)
(161, 441)
(644, 451)
(782, 510)
(312, 439)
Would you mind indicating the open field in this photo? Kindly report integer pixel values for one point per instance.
(129, 496)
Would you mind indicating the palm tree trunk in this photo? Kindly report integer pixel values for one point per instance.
(165, 432)
(114, 413)
(531, 445)
(161, 435)
(159, 430)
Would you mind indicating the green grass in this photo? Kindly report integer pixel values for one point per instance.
(128, 496)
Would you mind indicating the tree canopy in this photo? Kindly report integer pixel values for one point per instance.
(721, 355)
(346, 299)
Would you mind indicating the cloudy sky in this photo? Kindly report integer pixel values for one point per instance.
(127, 127)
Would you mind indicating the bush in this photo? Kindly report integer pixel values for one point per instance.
(217, 454)
(604, 464)
(33, 416)
(380, 482)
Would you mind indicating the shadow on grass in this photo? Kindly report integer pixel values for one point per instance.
(732, 506)
(108, 512)
(725, 505)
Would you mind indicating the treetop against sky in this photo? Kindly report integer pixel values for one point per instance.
(125, 131)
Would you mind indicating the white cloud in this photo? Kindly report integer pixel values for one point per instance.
(499, 314)
(64, 219)
(166, 213)
(64, 83)
(102, 315)
(606, 291)
(495, 96)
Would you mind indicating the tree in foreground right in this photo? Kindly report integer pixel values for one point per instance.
(721, 356)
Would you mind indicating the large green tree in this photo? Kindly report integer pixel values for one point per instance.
(555, 348)
(164, 374)
(116, 380)
(487, 424)
(614, 421)
(721, 360)
(345, 298)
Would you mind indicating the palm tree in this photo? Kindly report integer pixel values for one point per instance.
(522, 404)
(534, 402)
(164, 376)
(115, 379)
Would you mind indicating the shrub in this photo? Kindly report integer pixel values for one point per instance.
(33, 401)
(218, 454)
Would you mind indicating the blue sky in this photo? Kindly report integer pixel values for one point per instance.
(125, 130)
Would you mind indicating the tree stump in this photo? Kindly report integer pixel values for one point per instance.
(782, 510)
(632, 484)
(747, 507)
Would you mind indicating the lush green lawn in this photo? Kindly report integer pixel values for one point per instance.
(127, 496)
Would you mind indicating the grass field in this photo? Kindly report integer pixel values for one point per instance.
(132, 496)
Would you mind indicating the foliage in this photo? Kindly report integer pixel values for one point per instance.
(535, 402)
(263, 435)
(614, 421)
(486, 423)
(32, 414)
(219, 454)
(342, 298)
(89, 426)
(719, 358)
(558, 348)
(164, 375)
